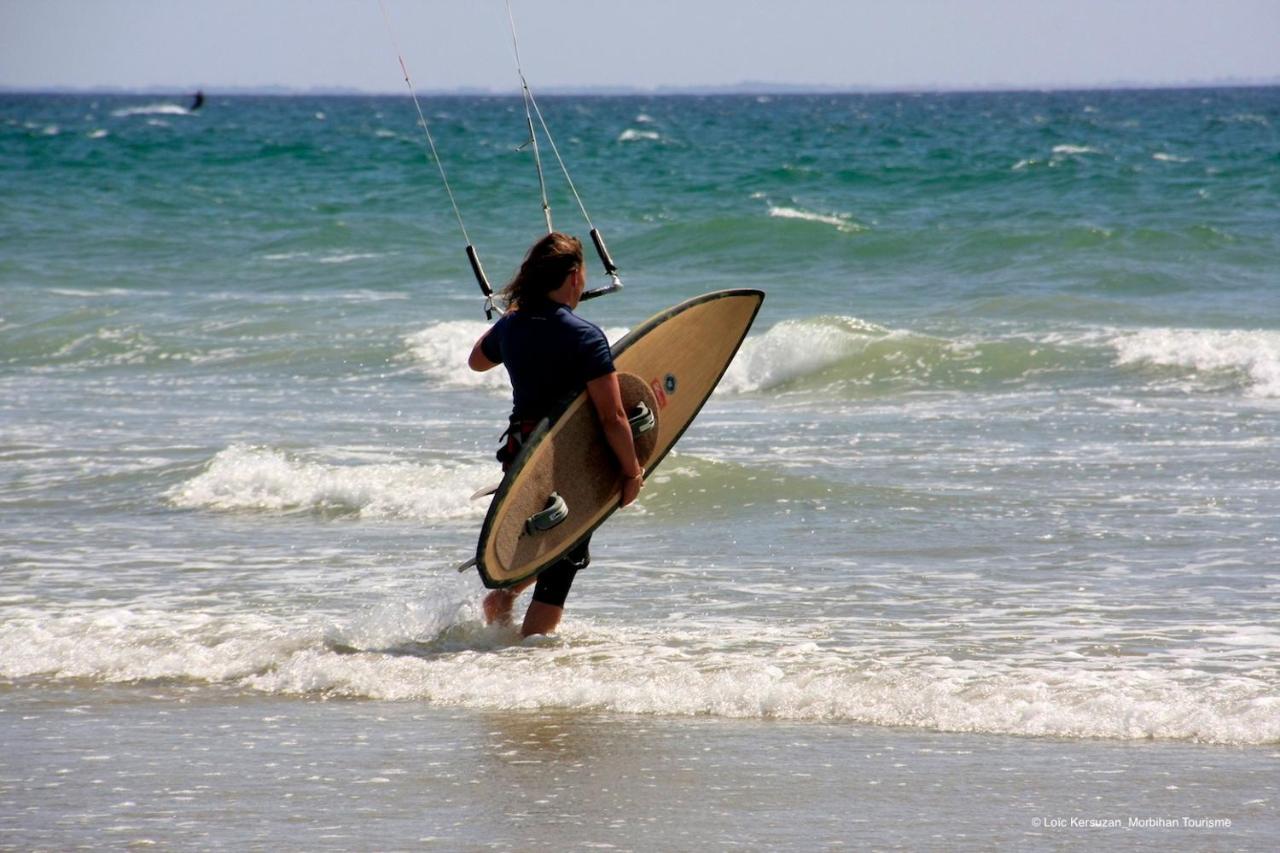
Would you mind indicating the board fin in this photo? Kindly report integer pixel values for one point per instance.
(486, 491)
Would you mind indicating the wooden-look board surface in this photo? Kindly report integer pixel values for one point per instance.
(673, 362)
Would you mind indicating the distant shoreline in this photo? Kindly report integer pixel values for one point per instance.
(746, 89)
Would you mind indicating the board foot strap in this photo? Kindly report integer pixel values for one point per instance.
(555, 512)
(642, 420)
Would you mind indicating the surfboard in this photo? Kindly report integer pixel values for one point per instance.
(565, 481)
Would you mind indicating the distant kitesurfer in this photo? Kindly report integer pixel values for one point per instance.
(550, 353)
(196, 102)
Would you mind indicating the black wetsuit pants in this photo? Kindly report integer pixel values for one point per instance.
(553, 583)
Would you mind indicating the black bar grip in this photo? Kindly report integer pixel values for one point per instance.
(601, 291)
(609, 266)
(479, 271)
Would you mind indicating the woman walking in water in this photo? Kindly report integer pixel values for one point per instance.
(551, 353)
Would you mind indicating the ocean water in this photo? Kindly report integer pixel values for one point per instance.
(979, 538)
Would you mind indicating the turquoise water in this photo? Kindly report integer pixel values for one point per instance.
(995, 466)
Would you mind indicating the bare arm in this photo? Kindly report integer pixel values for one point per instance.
(478, 361)
(607, 399)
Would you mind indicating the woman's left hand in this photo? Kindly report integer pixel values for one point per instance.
(631, 488)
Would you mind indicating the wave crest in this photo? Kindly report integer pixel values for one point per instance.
(632, 134)
(1248, 358)
(794, 349)
(840, 221)
(436, 650)
(244, 478)
(847, 354)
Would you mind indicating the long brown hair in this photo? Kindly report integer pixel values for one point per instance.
(546, 265)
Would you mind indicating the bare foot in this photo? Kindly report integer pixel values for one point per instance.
(497, 607)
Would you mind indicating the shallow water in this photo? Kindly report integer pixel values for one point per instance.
(175, 766)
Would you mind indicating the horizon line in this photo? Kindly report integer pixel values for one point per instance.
(749, 87)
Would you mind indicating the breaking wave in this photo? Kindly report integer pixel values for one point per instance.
(846, 354)
(438, 651)
(1234, 358)
(261, 479)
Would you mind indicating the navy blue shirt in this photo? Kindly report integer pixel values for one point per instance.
(550, 353)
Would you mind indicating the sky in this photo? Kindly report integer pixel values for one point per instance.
(644, 44)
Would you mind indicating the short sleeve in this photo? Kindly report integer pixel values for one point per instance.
(596, 357)
(491, 344)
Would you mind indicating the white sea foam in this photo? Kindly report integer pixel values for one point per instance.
(1249, 118)
(631, 134)
(124, 644)
(1253, 354)
(330, 258)
(152, 110)
(83, 293)
(110, 347)
(1165, 157)
(1071, 150)
(248, 478)
(347, 257)
(436, 651)
(129, 346)
(841, 221)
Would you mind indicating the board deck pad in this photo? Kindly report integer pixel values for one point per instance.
(672, 363)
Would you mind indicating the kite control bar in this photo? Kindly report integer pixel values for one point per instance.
(482, 280)
(610, 268)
